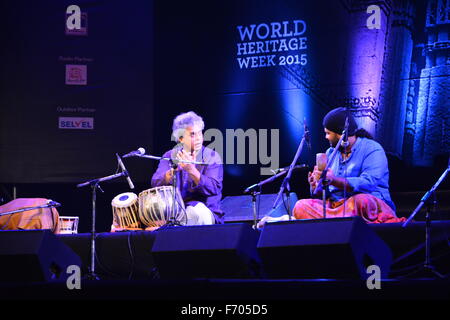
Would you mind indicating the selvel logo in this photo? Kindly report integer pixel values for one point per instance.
(76, 123)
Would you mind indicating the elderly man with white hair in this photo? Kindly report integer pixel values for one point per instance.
(200, 185)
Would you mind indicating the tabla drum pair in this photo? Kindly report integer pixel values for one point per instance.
(153, 208)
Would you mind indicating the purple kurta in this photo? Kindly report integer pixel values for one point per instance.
(209, 188)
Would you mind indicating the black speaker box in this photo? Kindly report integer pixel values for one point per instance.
(119, 255)
(213, 251)
(324, 248)
(34, 255)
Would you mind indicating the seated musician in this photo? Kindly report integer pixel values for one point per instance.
(200, 185)
(359, 173)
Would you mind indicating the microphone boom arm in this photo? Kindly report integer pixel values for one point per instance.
(285, 183)
(51, 204)
(426, 197)
(272, 178)
(127, 175)
(98, 180)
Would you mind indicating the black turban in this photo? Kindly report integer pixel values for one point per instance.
(335, 121)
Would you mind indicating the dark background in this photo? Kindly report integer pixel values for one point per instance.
(150, 61)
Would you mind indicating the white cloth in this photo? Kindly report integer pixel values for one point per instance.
(268, 219)
(199, 215)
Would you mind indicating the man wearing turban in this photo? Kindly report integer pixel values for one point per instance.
(358, 175)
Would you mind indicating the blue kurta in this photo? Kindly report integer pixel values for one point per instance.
(366, 170)
(209, 188)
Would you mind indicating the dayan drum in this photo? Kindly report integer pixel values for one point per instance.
(156, 207)
(68, 225)
(125, 212)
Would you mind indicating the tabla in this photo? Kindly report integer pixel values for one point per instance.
(125, 211)
(156, 207)
(68, 225)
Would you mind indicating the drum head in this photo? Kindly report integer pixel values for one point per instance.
(124, 200)
(125, 212)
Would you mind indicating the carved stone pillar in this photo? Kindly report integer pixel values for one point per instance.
(433, 109)
(395, 81)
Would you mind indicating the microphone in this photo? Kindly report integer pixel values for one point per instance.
(345, 142)
(301, 166)
(307, 134)
(52, 203)
(137, 153)
(130, 183)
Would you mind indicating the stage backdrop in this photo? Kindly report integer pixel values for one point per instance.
(77, 87)
(269, 65)
(82, 80)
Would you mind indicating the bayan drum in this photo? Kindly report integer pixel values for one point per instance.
(68, 225)
(156, 207)
(125, 212)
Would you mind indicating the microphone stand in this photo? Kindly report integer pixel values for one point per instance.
(345, 144)
(430, 200)
(47, 205)
(172, 219)
(255, 190)
(95, 183)
(322, 183)
(268, 180)
(285, 183)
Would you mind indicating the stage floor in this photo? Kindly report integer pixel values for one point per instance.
(127, 255)
(126, 270)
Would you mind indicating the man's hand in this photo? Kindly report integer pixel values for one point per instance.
(331, 179)
(183, 155)
(169, 175)
(188, 167)
(314, 177)
(312, 180)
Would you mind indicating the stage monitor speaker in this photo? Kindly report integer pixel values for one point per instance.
(212, 251)
(122, 255)
(240, 208)
(336, 248)
(34, 256)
